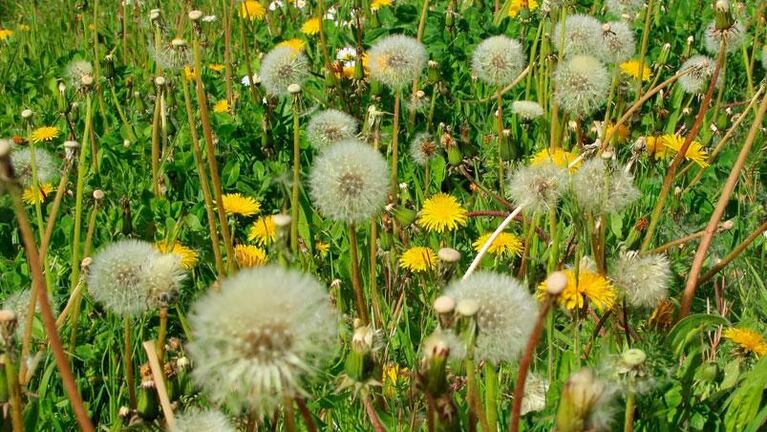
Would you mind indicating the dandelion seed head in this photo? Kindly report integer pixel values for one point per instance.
(643, 279)
(396, 60)
(735, 37)
(586, 403)
(537, 187)
(528, 110)
(505, 317)
(701, 69)
(18, 302)
(173, 56)
(583, 35)
(251, 361)
(202, 421)
(330, 126)
(281, 67)
(581, 85)
(624, 8)
(423, 148)
(118, 276)
(444, 343)
(76, 70)
(349, 181)
(618, 43)
(46, 165)
(599, 187)
(164, 276)
(497, 60)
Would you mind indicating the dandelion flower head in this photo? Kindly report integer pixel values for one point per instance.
(590, 287)
(442, 212)
(263, 231)
(599, 187)
(504, 244)
(45, 165)
(249, 256)
(747, 340)
(537, 187)
(281, 67)
(497, 60)
(581, 85)
(423, 148)
(396, 60)
(330, 126)
(582, 35)
(631, 68)
(237, 204)
(418, 259)
(643, 279)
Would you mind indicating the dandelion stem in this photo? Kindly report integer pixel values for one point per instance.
(716, 268)
(359, 295)
(485, 247)
(645, 41)
(294, 204)
(211, 153)
(394, 147)
(668, 179)
(311, 426)
(161, 333)
(372, 414)
(227, 12)
(419, 38)
(156, 144)
(628, 425)
(159, 382)
(49, 323)
(128, 361)
(716, 216)
(17, 421)
(81, 171)
(290, 415)
(491, 394)
(524, 364)
(203, 175)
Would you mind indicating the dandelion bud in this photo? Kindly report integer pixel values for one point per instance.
(405, 216)
(70, 149)
(159, 81)
(437, 349)
(294, 88)
(62, 88)
(556, 283)
(445, 308)
(723, 18)
(726, 225)
(467, 307)
(195, 15)
(360, 363)
(449, 255)
(26, 114)
(454, 155)
(633, 357)
(109, 67)
(86, 81)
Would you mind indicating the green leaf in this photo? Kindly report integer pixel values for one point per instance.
(743, 406)
(686, 330)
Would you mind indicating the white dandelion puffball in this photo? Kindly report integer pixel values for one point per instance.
(46, 166)
(330, 126)
(349, 181)
(506, 314)
(582, 35)
(423, 148)
(18, 302)
(735, 37)
(581, 85)
(202, 421)
(527, 110)
(598, 187)
(129, 277)
(618, 43)
(497, 60)
(624, 8)
(444, 343)
(588, 401)
(644, 280)
(537, 187)
(700, 70)
(261, 337)
(281, 67)
(396, 60)
(76, 70)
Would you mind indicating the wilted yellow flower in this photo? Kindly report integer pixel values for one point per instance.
(558, 157)
(34, 196)
(5, 34)
(418, 259)
(297, 44)
(216, 67)
(249, 256)
(378, 4)
(747, 339)
(237, 204)
(669, 145)
(590, 286)
(518, 5)
(442, 212)
(631, 68)
(263, 230)
(505, 243)
(311, 26)
(221, 106)
(322, 248)
(252, 10)
(46, 133)
(187, 255)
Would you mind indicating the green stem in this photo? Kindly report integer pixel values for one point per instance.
(491, 394)
(359, 295)
(295, 205)
(128, 362)
(81, 170)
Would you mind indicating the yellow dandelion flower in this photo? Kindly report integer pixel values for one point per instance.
(24, 27)
(237, 204)
(322, 248)
(695, 152)
(505, 243)
(34, 196)
(252, 10)
(559, 157)
(418, 259)
(590, 286)
(297, 44)
(747, 340)
(442, 212)
(631, 68)
(621, 133)
(393, 375)
(378, 4)
(216, 67)
(518, 5)
(221, 106)
(46, 133)
(263, 231)
(187, 255)
(311, 26)
(349, 70)
(5, 34)
(249, 256)
(188, 73)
